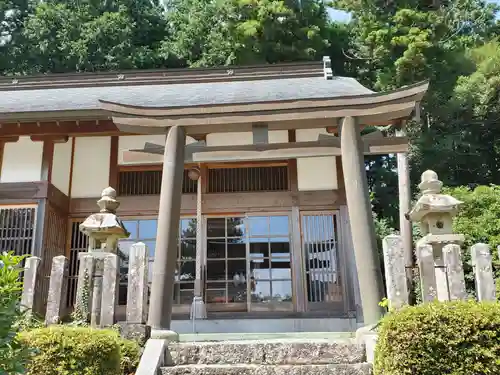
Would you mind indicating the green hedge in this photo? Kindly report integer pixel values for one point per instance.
(65, 350)
(454, 338)
(130, 354)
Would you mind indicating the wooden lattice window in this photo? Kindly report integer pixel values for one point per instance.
(148, 182)
(78, 243)
(54, 244)
(248, 179)
(17, 229)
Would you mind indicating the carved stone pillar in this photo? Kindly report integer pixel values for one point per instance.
(404, 190)
(361, 220)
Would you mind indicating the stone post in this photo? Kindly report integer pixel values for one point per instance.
(404, 190)
(137, 294)
(483, 272)
(57, 290)
(455, 272)
(29, 285)
(85, 285)
(443, 292)
(425, 260)
(162, 287)
(395, 271)
(109, 287)
(360, 216)
(95, 308)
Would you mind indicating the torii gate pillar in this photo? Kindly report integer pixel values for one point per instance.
(162, 286)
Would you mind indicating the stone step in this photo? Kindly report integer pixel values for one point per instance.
(252, 369)
(267, 352)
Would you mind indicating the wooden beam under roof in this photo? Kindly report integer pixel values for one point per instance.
(58, 129)
(325, 146)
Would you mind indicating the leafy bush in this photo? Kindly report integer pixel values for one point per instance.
(13, 355)
(130, 354)
(479, 220)
(65, 350)
(454, 338)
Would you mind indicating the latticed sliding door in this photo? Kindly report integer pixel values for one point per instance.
(322, 263)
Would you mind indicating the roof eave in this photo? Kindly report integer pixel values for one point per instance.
(41, 116)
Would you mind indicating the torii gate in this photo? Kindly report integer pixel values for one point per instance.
(344, 115)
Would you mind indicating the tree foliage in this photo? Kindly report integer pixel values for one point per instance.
(479, 221)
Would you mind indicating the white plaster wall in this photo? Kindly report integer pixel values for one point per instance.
(90, 166)
(131, 142)
(318, 173)
(22, 161)
(244, 138)
(61, 166)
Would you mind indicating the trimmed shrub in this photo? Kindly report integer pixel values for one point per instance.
(65, 350)
(454, 338)
(130, 354)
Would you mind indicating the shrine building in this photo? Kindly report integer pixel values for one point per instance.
(247, 184)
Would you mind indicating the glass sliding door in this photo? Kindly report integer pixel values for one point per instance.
(269, 263)
(248, 263)
(226, 271)
(144, 230)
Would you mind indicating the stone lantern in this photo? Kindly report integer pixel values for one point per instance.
(104, 229)
(435, 212)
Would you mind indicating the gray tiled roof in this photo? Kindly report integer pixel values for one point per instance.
(179, 95)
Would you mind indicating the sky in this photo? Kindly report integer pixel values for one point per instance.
(341, 16)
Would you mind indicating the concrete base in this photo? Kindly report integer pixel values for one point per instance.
(135, 331)
(153, 358)
(268, 352)
(223, 369)
(198, 309)
(268, 357)
(265, 325)
(167, 335)
(368, 336)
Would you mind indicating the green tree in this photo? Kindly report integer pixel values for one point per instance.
(401, 42)
(475, 105)
(479, 221)
(12, 16)
(62, 36)
(228, 32)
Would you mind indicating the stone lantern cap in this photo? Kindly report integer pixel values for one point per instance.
(432, 201)
(105, 224)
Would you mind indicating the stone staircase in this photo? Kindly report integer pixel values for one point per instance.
(268, 357)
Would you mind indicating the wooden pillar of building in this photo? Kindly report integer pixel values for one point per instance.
(361, 219)
(299, 286)
(162, 287)
(404, 190)
(198, 309)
